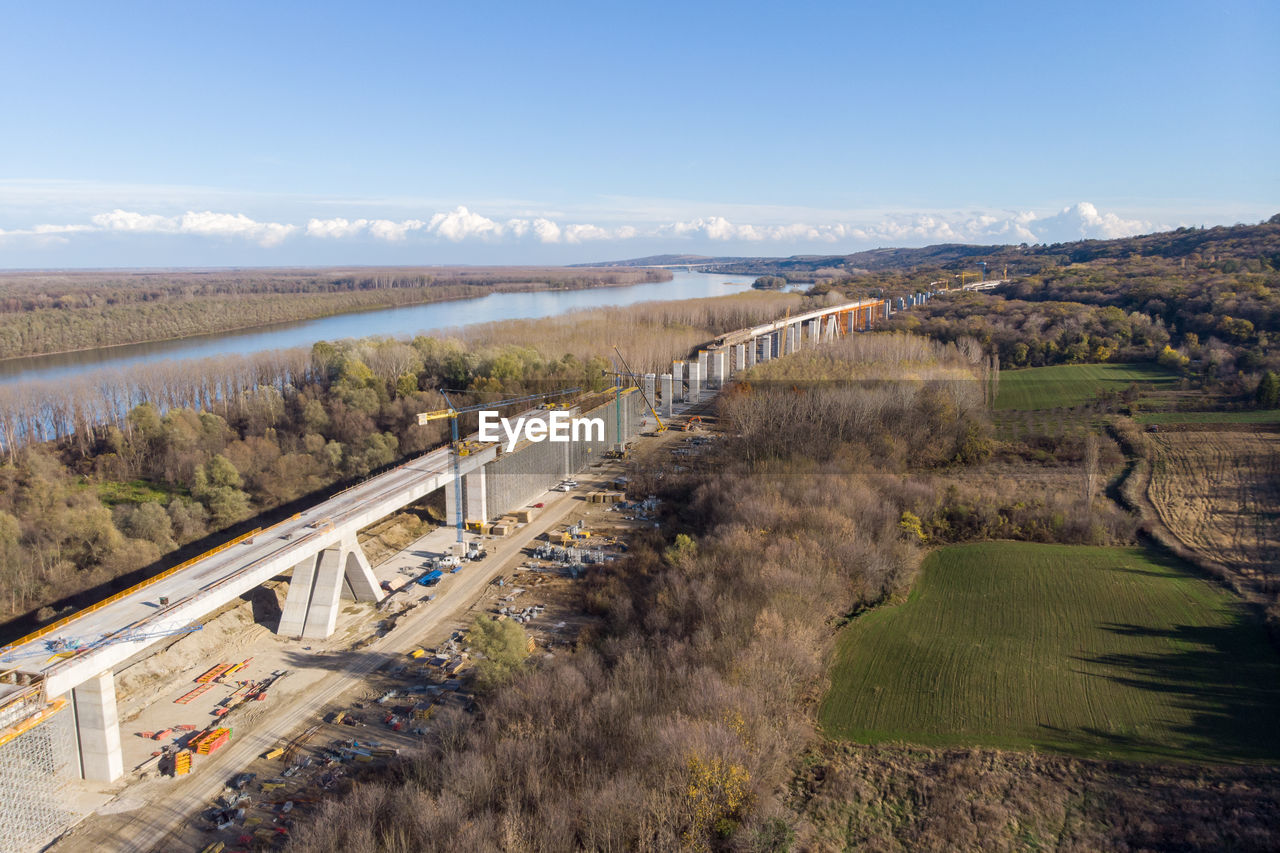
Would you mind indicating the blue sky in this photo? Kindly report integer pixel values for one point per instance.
(149, 134)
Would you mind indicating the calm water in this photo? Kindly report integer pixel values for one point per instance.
(397, 322)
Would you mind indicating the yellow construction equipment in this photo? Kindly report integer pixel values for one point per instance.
(661, 426)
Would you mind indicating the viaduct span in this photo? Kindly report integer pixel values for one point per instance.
(46, 701)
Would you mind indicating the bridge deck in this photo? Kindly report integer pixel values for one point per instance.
(283, 545)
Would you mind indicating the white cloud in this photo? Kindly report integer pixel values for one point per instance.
(205, 224)
(1082, 221)
(127, 220)
(237, 225)
(385, 229)
(335, 229)
(1079, 221)
(546, 230)
(460, 223)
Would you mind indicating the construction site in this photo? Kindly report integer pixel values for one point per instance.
(214, 705)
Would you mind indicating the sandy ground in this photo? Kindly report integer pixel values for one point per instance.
(364, 660)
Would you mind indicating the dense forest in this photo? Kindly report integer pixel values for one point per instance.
(60, 311)
(134, 466)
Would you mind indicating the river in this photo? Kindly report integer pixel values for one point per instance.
(405, 321)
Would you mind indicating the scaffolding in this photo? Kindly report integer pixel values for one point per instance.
(37, 755)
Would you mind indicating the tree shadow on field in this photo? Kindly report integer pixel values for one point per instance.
(1143, 572)
(1225, 677)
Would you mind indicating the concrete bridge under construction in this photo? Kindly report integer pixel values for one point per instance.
(58, 712)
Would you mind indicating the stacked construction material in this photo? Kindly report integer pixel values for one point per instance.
(187, 697)
(214, 673)
(182, 763)
(210, 740)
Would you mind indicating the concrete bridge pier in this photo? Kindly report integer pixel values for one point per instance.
(474, 490)
(793, 339)
(677, 379)
(650, 388)
(316, 589)
(815, 330)
(716, 363)
(753, 350)
(704, 369)
(668, 401)
(766, 351)
(98, 729)
(695, 382)
(739, 358)
(833, 329)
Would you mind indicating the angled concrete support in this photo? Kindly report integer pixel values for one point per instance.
(361, 581)
(322, 614)
(311, 608)
(833, 329)
(97, 729)
(293, 617)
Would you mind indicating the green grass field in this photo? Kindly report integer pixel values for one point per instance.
(1257, 416)
(1110, 652)
(1069, 385)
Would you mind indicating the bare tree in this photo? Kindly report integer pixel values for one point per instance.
(1090, 464)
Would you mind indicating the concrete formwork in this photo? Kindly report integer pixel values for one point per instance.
(516, 478)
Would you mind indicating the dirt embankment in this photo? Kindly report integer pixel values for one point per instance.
(236, 626)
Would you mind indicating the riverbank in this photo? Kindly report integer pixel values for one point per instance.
(407, 321)
(65, 313)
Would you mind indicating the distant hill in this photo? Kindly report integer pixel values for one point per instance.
(658, 261)
(1235, 241)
